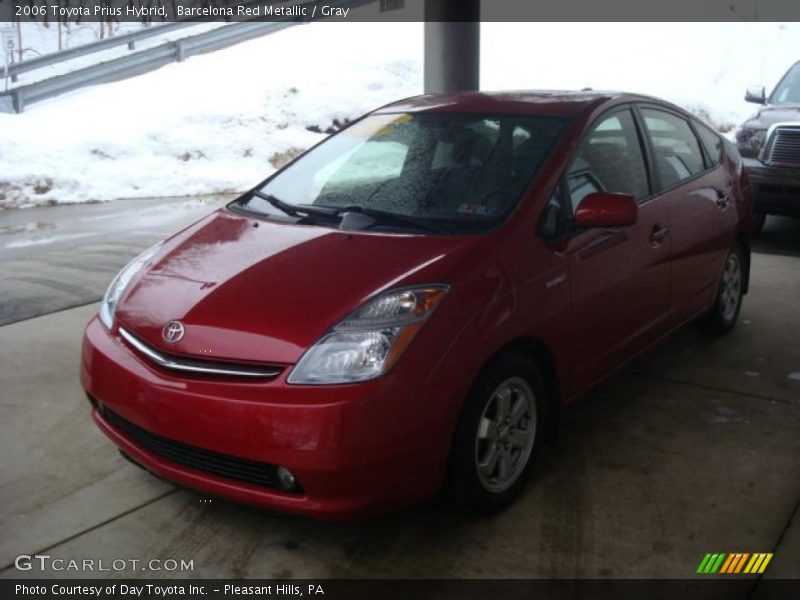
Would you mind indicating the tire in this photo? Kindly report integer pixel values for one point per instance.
(728, 302)
(492, 457)
(759, 219)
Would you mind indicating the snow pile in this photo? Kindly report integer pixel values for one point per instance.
(216, 123)
(224, 121)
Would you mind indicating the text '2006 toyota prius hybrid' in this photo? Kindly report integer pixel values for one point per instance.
(404, 308)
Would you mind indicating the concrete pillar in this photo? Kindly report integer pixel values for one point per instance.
(452, 45)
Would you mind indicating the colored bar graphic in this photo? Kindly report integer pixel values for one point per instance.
(704, 563)
(764, 564)
(734, 563)
(731, 565)
(754, 563)
(717, 563)
(740, 565)
(727, 564)
(711, 563)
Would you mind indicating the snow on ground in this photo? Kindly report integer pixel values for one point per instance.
(223, 121)
(210, 124)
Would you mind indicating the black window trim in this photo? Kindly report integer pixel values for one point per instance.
(689, 120)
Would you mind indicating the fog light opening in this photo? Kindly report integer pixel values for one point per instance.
(286, 479)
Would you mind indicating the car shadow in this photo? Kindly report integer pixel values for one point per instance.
(781, 235)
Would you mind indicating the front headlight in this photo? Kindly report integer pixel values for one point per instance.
(750, 139)
(120, 282)
(368, 342)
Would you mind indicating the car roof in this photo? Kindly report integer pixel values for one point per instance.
(564, 103)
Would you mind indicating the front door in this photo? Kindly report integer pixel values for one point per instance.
(620, 277)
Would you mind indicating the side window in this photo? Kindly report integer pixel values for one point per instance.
(675, 148)
(609, 160)
(711, 141)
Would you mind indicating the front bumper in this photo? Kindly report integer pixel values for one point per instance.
(355, 450)
(776, 190)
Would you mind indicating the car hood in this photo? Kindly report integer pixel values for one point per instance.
(254, 290)
(769, 115)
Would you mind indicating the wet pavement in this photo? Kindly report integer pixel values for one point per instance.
(57, 257)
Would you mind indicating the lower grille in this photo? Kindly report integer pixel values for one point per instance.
(199, 459)
(784, 147)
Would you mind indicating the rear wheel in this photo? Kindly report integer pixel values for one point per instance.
(725, 312)
(499, 435)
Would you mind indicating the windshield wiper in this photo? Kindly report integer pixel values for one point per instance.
(296, 210)
(329, 212)
(387, 218)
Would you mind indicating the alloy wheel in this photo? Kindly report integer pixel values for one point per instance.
(505, 436)
(731, 288)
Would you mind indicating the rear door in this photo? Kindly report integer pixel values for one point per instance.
(620, 277)
(696, 192)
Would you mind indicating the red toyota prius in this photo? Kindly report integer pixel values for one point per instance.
(406, 306)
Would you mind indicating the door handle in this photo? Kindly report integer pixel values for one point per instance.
(658, 234)
(722, 199)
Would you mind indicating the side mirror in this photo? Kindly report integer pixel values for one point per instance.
(755, 94)
(602, 209)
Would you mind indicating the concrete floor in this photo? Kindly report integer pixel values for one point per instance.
(693, 448)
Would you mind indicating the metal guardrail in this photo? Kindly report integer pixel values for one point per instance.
(128, 39)
(15, 100)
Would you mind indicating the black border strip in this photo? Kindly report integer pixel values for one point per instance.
(730, 588)
(417, 11)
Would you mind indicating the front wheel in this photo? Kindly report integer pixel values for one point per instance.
(499, 435)
(722, 317)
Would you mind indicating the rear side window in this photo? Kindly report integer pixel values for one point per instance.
(609, 160)
(675, 147)
(712, 142)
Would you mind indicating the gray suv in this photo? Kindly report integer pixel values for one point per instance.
(769, 143)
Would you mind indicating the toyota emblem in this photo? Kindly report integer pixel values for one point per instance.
(173, 332)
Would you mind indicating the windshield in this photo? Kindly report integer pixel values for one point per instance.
(446, 172)
(788, 90)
